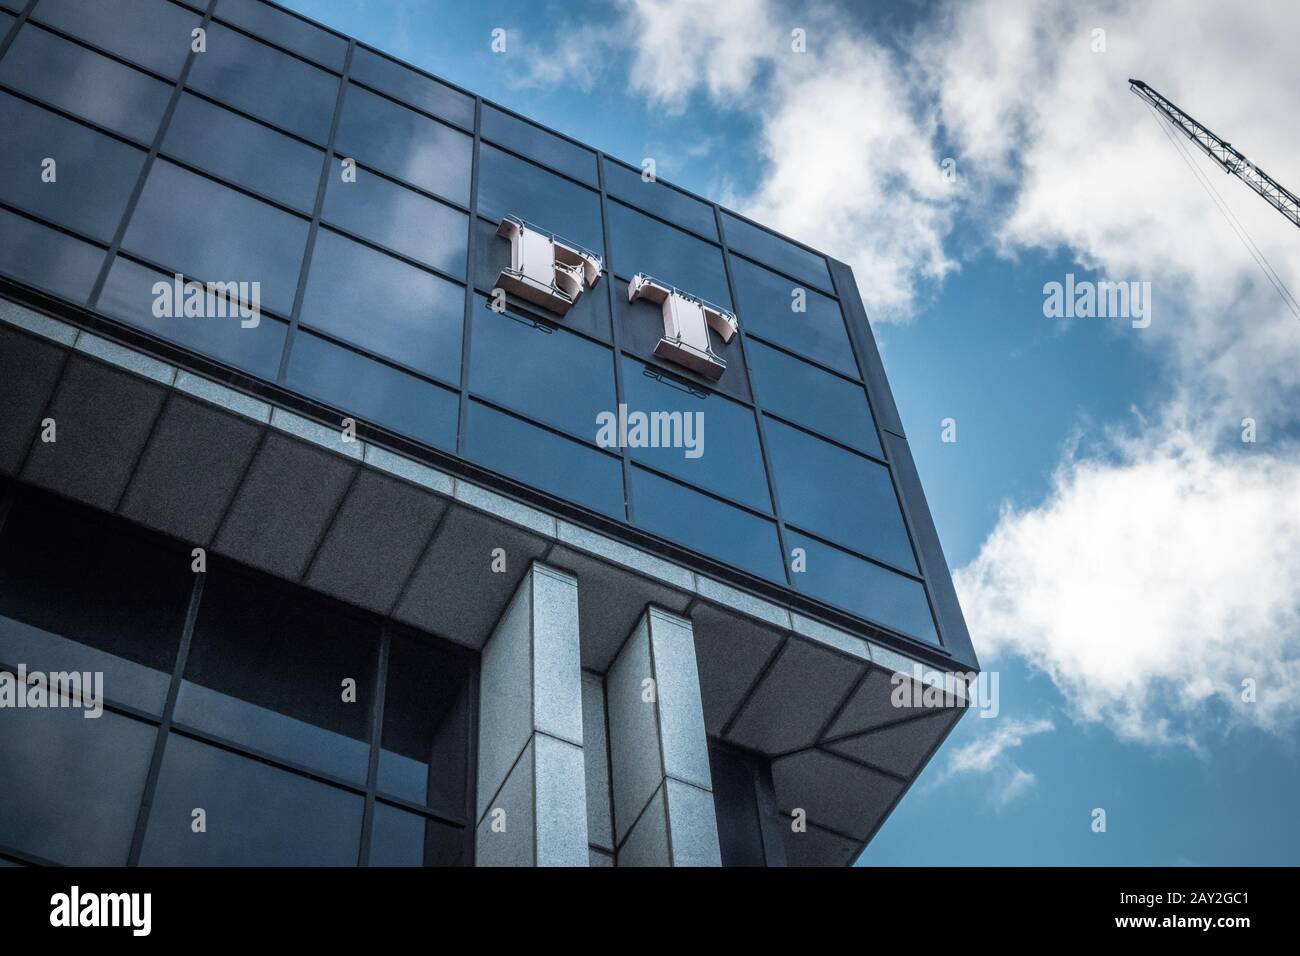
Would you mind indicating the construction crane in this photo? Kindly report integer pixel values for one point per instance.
(1223, 153)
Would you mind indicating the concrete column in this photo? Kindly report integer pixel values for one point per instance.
(659, 758)
(532, 808)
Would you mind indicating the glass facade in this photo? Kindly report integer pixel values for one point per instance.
(306, 732)
(363, 196)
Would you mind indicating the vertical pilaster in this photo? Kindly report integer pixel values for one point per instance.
(659, 758)
(532, 808)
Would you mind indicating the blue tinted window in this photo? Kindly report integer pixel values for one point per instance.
(244, 152)
(130, 293)
(838, 495)
(247, 637)
(50, 260)
(84, 83)
(426, 725)
(401, 838)
(266, 83)
(399, 218)
(545, 460)
(725, 457)
(660, 199)
(405, 144)
(805, 394)
(415, 88)
(95, 174)
(267, 816)
(508, 186)
(863, 588)
(767, 308)
(78, 593)
(153, 33)
(641, 244)
(540, 370)
(285, 30)
(212, 233)
(777, 252)
(372, 391)
(43, 809)
(709, 526)
(536, 143)
(386, 306)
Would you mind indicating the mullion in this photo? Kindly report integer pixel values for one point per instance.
(313, 231)
(164, 726)
(177, 89)
(376, 742)
(768, 472)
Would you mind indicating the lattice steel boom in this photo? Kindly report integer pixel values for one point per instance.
(1223, 153)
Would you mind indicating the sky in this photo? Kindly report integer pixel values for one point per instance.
(1121, 505)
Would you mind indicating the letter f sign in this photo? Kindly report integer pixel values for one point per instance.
(687, 320)
(543, 269)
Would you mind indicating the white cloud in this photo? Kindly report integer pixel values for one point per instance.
(989, 755)
(1015, 784)
(681, 45)
(986, 752)
(1153, 583)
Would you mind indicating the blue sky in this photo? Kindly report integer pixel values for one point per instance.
(1124, 558)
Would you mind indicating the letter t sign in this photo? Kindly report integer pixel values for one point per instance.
(543, 269)
(687, 320)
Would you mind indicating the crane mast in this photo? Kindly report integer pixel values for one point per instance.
(1223, 153)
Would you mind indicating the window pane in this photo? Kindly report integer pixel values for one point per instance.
(266, 83)
(386, 306)
(863, 588)
(707, 525)
(257, 815)
(84, 83)
(536, 143)
(805, 394)
(777, 252)
(406, 84)
(71, 787)
(95, 173)
(214, 234)
(401, 838)
(267, 669)
(405, 144)
(152, 33)
(766, 302)
(660, 199)
(838, 495)
(723, 454)
(545, 460)
(50, 260)
(78, 593)
(372, 391)
(285, 30)
(399, 218)
(540, 370)
(512, 187)
(244, 152)
(426, 727)
(129, 295)
(641, 244)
